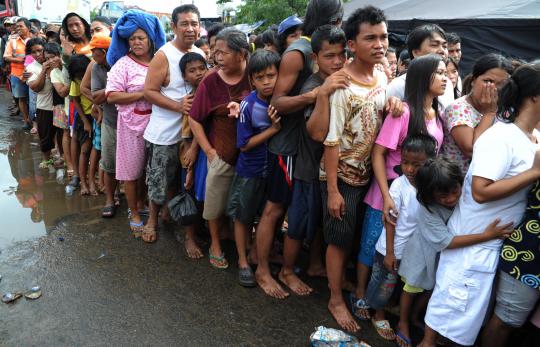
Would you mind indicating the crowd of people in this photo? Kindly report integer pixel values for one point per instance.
(359, 152)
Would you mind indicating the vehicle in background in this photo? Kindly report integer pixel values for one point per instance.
(47, 11)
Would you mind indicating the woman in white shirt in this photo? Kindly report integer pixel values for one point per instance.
(505, 163)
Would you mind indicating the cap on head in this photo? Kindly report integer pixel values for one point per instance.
(287, 23)
(99, 41)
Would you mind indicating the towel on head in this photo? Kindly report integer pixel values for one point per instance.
(126, 26)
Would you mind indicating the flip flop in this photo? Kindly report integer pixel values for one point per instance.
(108, 211)
(383, 328)
(402, 340)
(148, 231)
(219, 262)
(359, 307)
(136, 228)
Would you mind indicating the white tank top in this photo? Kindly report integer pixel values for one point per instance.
(165, 126)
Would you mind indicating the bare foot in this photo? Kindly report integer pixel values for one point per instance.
(92, 189)
(270, 286)
(343, 317)
(192, 249)
(84, 190)
(149, 234)
(316, 272)
(294, 283)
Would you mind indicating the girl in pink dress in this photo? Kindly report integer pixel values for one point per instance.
(125, 85)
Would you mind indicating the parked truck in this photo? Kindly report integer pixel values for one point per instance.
(48, 11)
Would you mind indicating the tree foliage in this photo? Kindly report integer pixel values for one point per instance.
(273, 11)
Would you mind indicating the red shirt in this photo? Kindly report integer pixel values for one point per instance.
(210, 107)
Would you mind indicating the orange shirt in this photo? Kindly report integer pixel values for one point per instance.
(18, 45)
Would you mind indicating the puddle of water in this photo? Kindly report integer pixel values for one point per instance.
(30, 198)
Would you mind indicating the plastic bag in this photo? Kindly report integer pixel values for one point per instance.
(182, 209)
(328, 337)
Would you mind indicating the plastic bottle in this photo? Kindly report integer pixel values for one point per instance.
(60, 176)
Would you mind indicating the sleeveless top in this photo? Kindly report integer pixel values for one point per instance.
(285, 142)
(165, 126)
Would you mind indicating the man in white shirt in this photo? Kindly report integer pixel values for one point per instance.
(423, 40)
(165, 89)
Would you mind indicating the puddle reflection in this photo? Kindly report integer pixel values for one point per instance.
(30, 198)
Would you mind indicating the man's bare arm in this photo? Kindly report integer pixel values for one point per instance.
(157, 74)
(289, 70)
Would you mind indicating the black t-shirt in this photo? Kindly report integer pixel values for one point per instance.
(286, 140)
(310, 151)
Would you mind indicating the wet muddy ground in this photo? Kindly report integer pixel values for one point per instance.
(101, 287)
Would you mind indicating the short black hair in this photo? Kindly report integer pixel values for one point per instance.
(390, 49)
(201, 42)
(36, 41)
(439, 175)
(329, 33)
(214, 30)
(269, 37)
(26, 22)
(36, 22)
(185, 9)
(453, 38)
(190, 57)
(321, 12)
(77, 66)
(52, 48)
(368, 14)
(417, 143)
(261, 60)
(420, 34)
(103, 19)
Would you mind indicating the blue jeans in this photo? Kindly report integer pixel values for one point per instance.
(371, 230)
(381, 284)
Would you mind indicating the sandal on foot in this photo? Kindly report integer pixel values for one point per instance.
(219, 262)
(148, 233)
(384, 329)
(246, 278)
(359, 307)
(137, 229)
(402, 340)
(108, 211)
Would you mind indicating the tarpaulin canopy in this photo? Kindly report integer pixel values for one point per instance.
(509, 27)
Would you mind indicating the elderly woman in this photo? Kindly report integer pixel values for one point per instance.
(135, 38)
(227, 84)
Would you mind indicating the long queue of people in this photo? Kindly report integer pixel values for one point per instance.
(428, 183)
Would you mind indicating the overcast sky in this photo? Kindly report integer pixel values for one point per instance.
(208, 8)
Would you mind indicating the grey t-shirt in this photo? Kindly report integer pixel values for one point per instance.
(285, 142)
(310, 152)
(99, 82)
(419, 259)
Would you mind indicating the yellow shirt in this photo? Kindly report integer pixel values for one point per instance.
(75, 90)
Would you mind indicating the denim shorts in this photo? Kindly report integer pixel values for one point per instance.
(514, 300)
(19, 89)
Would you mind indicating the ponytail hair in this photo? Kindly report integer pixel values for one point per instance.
(439, 175)
(524, 83)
